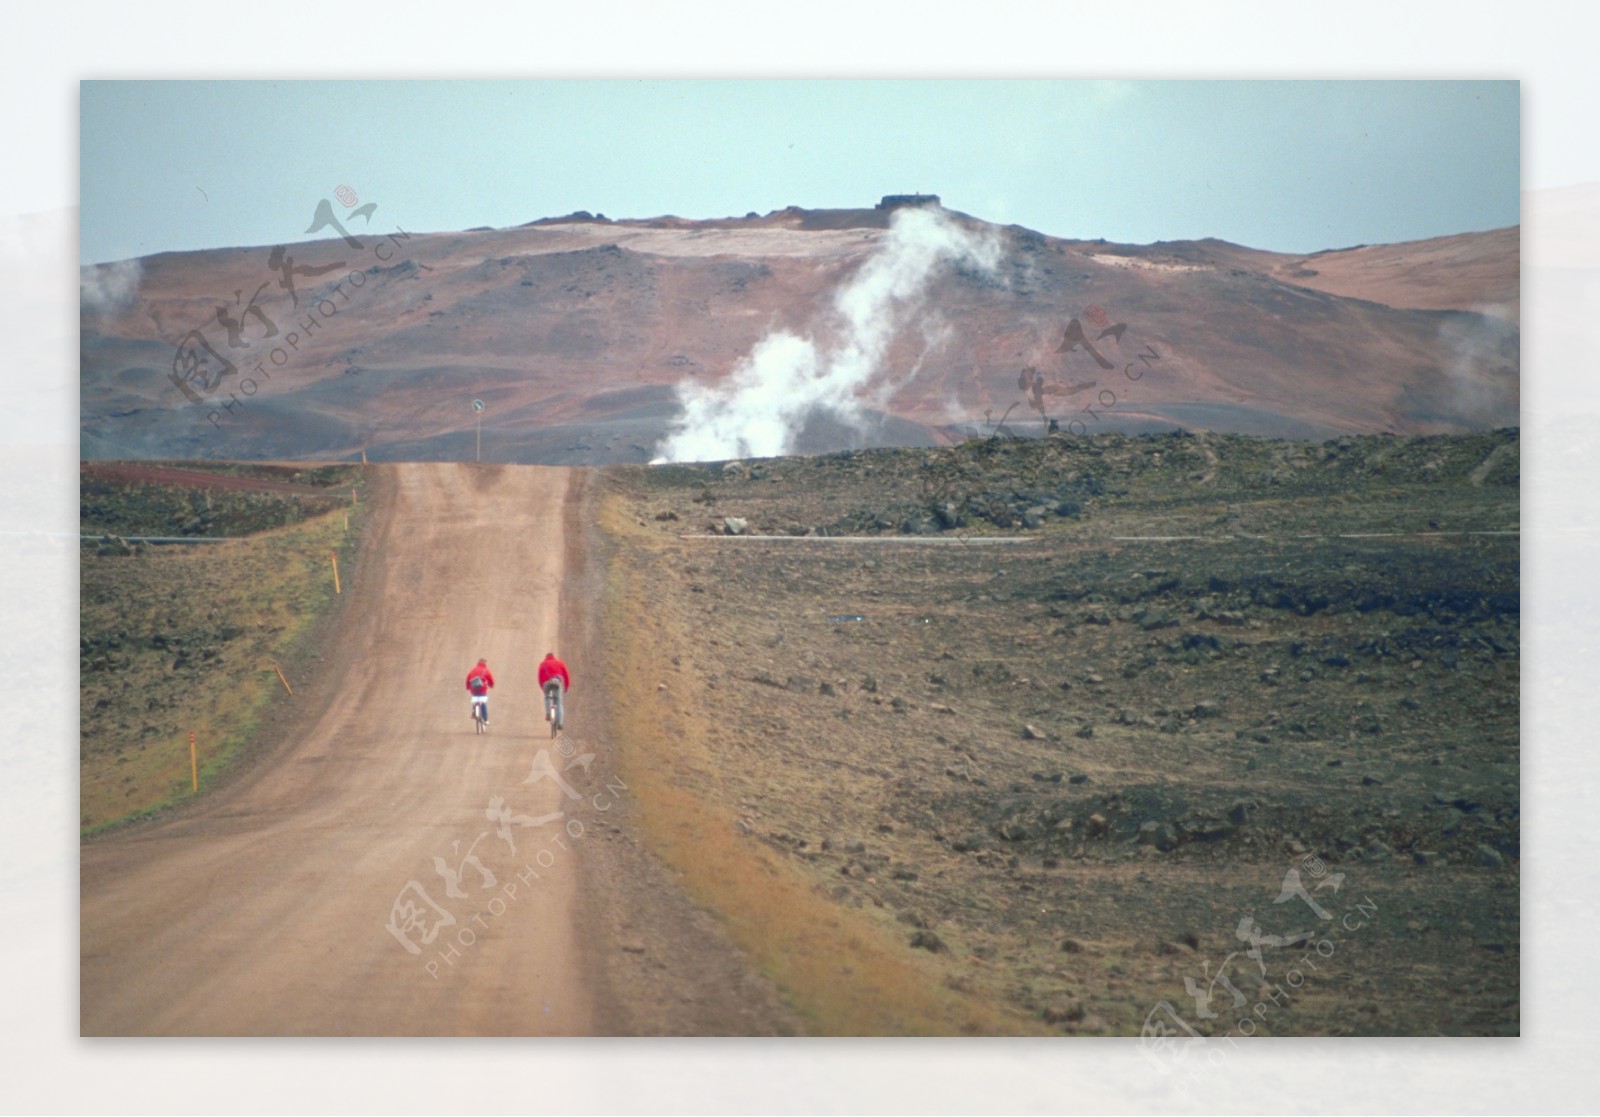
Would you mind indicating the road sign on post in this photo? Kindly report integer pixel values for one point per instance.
(477, 407)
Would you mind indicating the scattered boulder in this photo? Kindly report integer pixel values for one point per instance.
(735, 525)
(1162, 835)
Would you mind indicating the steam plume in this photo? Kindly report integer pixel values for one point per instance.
(104, 287)
(1482, 373)
(786, 379)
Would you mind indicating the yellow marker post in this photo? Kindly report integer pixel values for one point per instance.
(194, 764)
(283, 680)
(335, 559)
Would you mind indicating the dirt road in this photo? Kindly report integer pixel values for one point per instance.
(388, 871)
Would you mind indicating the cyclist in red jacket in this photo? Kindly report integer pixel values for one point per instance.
(479, 683)
(555, 681)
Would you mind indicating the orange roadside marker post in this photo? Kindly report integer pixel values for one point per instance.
(283, 680)
(194, 764)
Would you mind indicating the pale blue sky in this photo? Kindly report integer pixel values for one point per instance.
(1283, 165)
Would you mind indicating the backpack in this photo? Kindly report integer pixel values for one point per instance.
(477, 685)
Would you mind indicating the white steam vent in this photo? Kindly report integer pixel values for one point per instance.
(108, 287)
(762, 406)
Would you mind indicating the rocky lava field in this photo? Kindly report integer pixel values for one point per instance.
(174, 638)
(1181, 735)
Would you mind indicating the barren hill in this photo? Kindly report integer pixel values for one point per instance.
(577, 332)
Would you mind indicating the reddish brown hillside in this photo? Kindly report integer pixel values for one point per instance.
(575, 332)
(1476, 271)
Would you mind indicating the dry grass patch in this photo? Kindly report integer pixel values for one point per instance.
(848, 971)
(180, 639)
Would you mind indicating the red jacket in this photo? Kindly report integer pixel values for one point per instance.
(483, 672)
(551, 667)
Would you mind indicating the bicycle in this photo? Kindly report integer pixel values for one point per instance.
(479, 684)
(552, 708)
